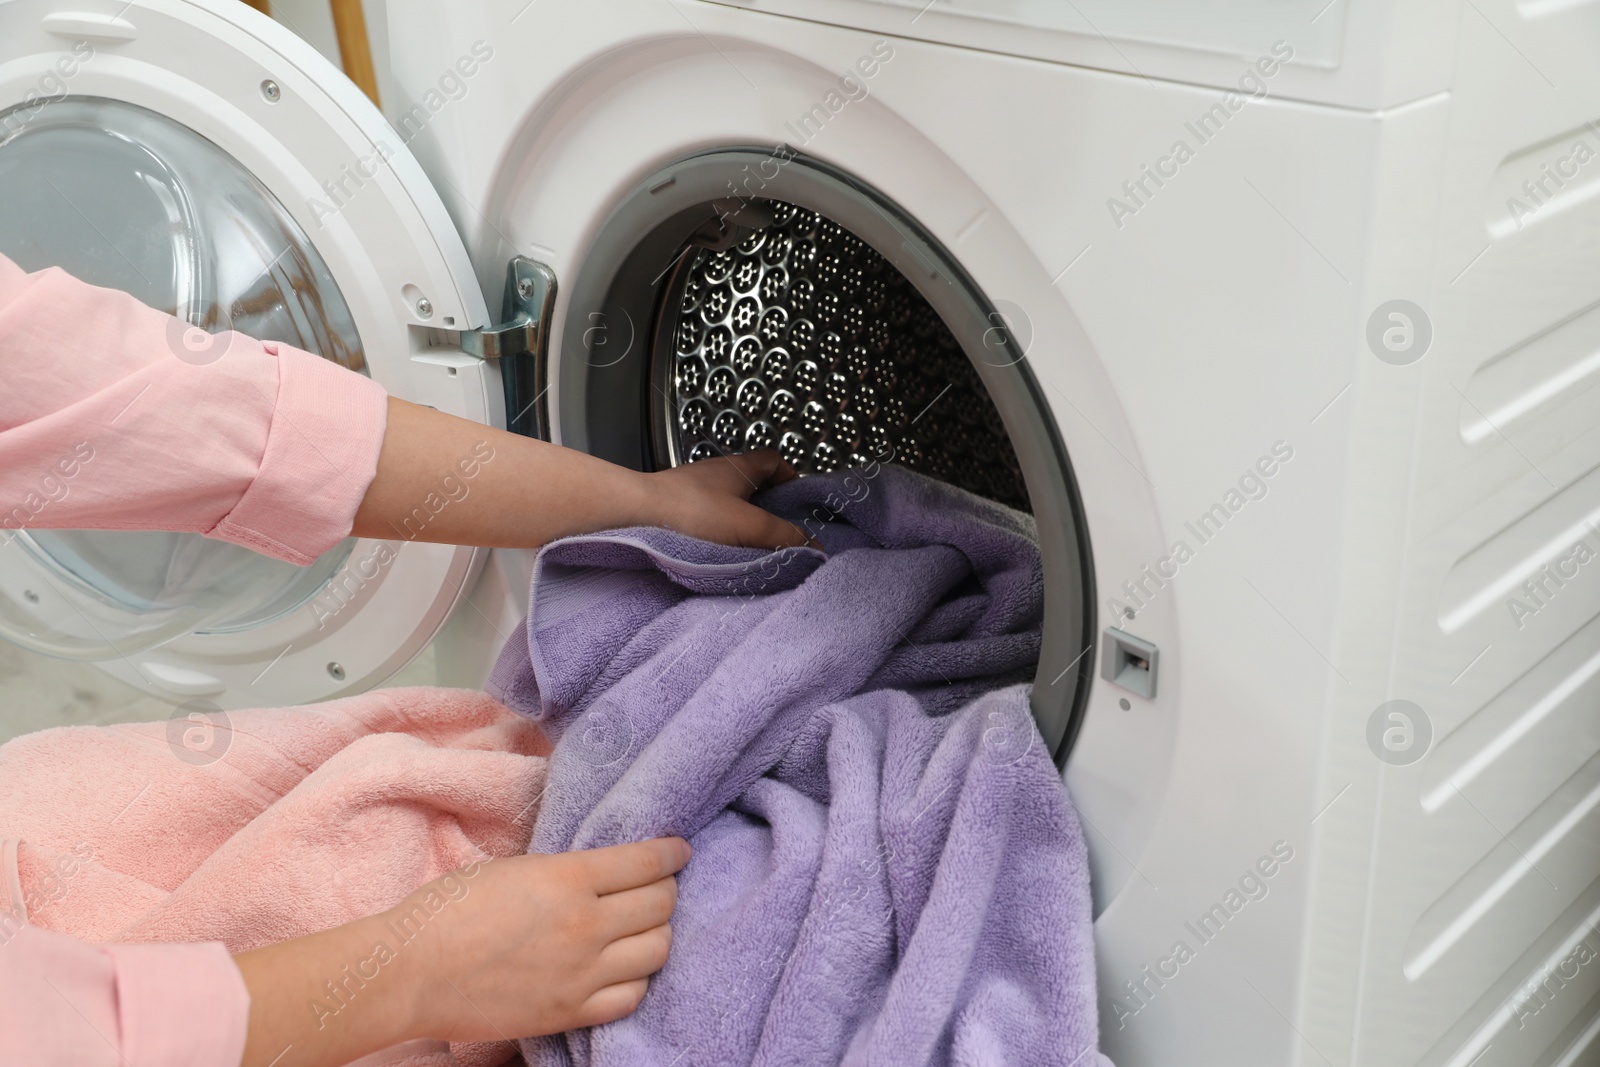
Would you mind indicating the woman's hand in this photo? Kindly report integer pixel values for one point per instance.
(452, 481)
(710, 500)
(509, 948)
(541, 944)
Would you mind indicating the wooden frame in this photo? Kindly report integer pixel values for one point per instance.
(355, 49)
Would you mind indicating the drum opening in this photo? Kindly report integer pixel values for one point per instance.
(815, 316)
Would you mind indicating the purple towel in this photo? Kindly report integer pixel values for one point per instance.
(887, 869)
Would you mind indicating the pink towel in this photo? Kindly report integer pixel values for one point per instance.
(273, 824)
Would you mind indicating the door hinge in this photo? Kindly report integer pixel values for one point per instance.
(520, 345)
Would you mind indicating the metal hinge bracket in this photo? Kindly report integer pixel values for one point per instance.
(521, 344)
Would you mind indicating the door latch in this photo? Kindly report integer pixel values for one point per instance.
(521, 344)
(1130, 662)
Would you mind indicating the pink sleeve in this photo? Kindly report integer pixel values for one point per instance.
(110, 420)
(66, 1003)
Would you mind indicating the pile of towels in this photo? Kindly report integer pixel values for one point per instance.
(887, 869)
(281, 822)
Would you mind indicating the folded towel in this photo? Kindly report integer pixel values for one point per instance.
(887, 868)
(258, 826)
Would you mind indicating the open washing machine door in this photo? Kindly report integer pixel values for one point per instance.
(206, 160)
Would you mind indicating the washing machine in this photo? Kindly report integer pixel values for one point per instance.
(1280, 316)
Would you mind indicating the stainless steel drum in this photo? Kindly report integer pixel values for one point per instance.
(801, 337)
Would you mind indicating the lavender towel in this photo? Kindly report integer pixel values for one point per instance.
(887, 869)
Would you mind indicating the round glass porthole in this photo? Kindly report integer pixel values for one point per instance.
(124, 198)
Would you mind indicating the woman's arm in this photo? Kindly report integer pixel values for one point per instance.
(442, 478)
(105, 424)
(510, 948)
(68, 1003)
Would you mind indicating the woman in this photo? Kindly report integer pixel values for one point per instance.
(286, 453)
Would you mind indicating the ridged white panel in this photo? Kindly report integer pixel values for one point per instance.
(1555, 982)
(1537, 868)
(1544, 723)
(1535, 379)
(1485, 864)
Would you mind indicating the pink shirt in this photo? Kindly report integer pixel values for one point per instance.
(112, 418)
(110, 421)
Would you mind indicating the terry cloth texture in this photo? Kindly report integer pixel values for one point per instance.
(887, 868)
(253, 827)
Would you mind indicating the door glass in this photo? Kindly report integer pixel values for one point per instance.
(124, 198)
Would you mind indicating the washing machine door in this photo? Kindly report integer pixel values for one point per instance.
(200, 157)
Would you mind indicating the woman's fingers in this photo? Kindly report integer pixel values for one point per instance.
(620, 867)
(765, 467)
(613, 1002)
(749, 472)
(544, 943)
(773, 532)
(634, 957)
(644, 908)
(710, 500)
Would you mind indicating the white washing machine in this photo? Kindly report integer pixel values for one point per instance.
(1281, 316)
